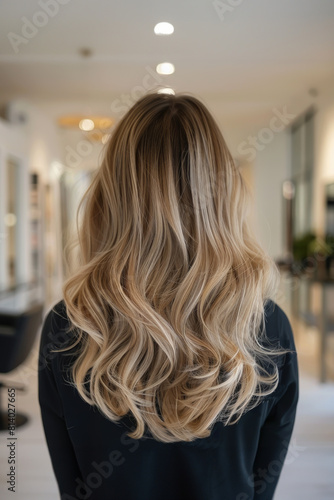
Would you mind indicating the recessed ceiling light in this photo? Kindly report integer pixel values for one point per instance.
(163, 29)
(166, 90)
(86, 124)
(165, 68)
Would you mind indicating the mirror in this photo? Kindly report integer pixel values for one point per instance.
(11, 218)
(329, 213)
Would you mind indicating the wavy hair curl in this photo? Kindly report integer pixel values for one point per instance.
(168, 298)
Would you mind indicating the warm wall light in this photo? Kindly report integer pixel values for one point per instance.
(10, 219)
(105, 138)
(163, 29)
(102, 125)
(165, 68)
(86, 124)
(56, 169)
(166, 90)
(288, 190)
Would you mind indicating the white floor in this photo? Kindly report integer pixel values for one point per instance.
(308, 473)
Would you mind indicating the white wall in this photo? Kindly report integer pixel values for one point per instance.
(271, 168)
(13, 144)
(324, 157)
(32, 136)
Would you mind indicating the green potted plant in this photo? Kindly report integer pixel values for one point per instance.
(312, 249)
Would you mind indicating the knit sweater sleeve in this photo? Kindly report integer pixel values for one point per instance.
(63, 458)
(277, 428)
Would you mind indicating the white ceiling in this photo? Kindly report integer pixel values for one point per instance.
(264, 53)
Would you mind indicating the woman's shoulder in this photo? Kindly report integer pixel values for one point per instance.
(59, 309)
(56, 316)
(278, 330)
(55, 330)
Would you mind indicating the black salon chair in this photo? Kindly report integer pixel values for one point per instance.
(17, 336)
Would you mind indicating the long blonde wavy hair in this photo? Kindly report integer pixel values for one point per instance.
(168, 299)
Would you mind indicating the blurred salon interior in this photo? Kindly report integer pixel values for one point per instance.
(69, 70)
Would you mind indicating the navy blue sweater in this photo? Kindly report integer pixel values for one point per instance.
(94, 459)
